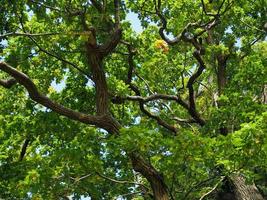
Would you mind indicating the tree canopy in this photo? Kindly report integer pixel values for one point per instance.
(91, 108)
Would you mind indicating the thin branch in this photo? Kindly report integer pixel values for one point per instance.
(205, 11)
(209, 192)
(196, 186)
(72, 13)
(8, 83)
(80, 178)
(153, 97)
(115, 37)
(220, 7)
(129, 194)
(28, 34)
(121, 181)
(147, 85)
(106, 122)
(46, 6)
(59, 58)
(180, 120)
(138, 93)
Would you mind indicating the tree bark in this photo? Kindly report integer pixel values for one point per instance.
(221, 73)
(243, 191)
(155, 179)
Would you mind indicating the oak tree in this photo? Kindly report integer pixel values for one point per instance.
(91, 108)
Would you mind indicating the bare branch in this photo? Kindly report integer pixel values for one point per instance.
(153, 97)
(161, 122)
(8, 83)
(71, 13)
(104, 121)
(27, 34)
(192, 79)
(163, 27)
(180, 120)
(24, 149)
(46, 6)
(215, 186)
(150, 173)
(121, 181)
(80, 178)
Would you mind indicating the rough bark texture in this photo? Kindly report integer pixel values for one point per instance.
(155, 179)
(243, 191)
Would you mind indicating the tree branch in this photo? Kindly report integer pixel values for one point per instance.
(27, 34)
(23, 149)
(59, 58)
(104, 121)
(8, 83)
(160, 190)
(122, 181)
(112, 43)
(117, 13)
(138, 98)
(192, 79)
(97, 5)
(215, 186)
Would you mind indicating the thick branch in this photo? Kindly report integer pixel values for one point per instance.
(192, 79)
(112, 43)
(24, 149)
(155, 179)
(117, 13)
(8, 83)
(99, 78)
(157, 118)
(104, 121)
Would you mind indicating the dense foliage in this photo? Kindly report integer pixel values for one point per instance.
(90, 108)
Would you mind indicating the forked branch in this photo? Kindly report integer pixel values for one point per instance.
(103, 121)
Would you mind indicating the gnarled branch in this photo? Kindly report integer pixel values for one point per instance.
(104, 121)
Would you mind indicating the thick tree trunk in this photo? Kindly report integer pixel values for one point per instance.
(243, 191)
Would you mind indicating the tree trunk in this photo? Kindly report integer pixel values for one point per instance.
(243, 191)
